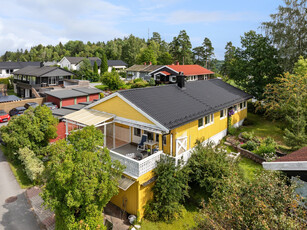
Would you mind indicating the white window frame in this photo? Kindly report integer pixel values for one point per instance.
(235, 108)
(211, 119)
(134, 129)
(244, 104)
(224, 114)
(200, 127)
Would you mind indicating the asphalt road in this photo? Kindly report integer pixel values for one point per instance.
(17, 214)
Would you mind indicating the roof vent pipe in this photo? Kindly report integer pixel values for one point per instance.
(181, 80)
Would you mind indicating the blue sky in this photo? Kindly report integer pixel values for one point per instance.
(24, 23)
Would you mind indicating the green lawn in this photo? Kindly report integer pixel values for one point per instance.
(264, 128)
(101, 87)
(18, 172)
(186, 222)
(249, 168)
(11, 92)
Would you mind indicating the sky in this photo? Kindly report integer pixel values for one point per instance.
(26, 23)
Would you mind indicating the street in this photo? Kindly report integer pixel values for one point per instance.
(15, 213)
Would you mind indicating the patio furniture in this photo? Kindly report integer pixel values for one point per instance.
(150, 144)
(141, 145)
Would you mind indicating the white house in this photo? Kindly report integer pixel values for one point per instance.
(74, 63)
(118, 65)
(7, 68)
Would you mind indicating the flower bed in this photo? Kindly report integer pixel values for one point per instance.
(250, 155)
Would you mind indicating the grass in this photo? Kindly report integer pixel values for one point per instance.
(264, 128)
(101, 87)
(249, 168)
(11, 92)
(18, 171)
(185, 222)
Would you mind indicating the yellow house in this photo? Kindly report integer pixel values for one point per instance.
(173, 117)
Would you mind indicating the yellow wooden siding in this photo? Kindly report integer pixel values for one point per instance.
(121, 108)
(238, 116)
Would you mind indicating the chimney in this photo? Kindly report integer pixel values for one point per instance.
(181, 80)
(177, 63)
(144, 63)
(149, 63)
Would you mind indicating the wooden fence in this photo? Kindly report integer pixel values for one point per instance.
(7, 106)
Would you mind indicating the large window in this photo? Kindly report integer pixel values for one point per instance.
(209, 119)
(200, 122)
(150, 135)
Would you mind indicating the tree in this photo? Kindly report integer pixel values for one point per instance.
(85, 69)
(80, 179)
(165, 59)
(287, 100)
(170, 188)
(288, 31)
(104, 64)
(180, 48)
(208, 52)
(254, 65)
(267, 202)
(131, 48)
(228, 58)
(112, 80)
(147, 55)
(198, 55)
(95, 68)
(33, 129)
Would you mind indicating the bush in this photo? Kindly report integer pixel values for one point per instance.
(249, 145)
(112, 80)
(267, 148)
(170, 189)
(101, 87)
(123, 74)
(34, 167)
(139, 83)
(232, 130)
(152, 82)
(248, 135)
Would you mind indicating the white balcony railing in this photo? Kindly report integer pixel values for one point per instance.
(135, 168)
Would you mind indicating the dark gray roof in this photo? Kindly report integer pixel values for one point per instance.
(65, 93)
(17, 65)
(95, 59)
(86, 103)
(117, 63)
(143, 68)
(9, 98)
(62, 112)
(88, 90)
(74, 107)
(172, 106)
(45, 71)
(76, 60)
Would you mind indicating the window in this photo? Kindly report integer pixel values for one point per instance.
(244, 104)
(149, 135)
(157, 137)
(241, 105)
(209, 119)
(223, 113)
(235, 108)
(200, 122)
(137, 132)
(164, 139)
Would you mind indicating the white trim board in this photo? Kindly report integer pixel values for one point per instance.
(286, 165)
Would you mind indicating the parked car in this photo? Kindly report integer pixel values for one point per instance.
(4, 116)
(31, 104)
(17, 111)
(50, 105)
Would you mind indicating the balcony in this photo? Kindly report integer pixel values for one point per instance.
(136, 168)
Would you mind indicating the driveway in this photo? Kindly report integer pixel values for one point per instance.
(15, 214)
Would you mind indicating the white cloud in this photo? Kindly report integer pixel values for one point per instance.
(30, 23)
(186, 17)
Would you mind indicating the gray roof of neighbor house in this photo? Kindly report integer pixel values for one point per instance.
(17, 65)
(65, 93)
(117, 63)
(9, 98)
(143, 68)
(88, 90)
(45, 71)
(62, 112)
(76, 60)
(74, 107)
(172, 106)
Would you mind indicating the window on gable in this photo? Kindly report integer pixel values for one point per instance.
(200, 122)
(137, 132)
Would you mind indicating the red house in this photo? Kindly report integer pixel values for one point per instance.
(72, 96)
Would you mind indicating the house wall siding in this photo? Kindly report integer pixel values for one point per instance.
(68, 101)
(81, 99)
(120, 108)
(54, 100)
(93, 97)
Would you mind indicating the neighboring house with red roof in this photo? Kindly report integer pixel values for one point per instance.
(293, 164)
(168, 73)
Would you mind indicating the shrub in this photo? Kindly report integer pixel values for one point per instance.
(123, 74)
(267, 148)
(232, 130)
(248, 122)
(152, 82)
(170, 189)
(34, 167)
(247, 135)
(249, 145)
(139, 83)
(112, 80)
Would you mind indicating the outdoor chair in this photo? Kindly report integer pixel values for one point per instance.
(141, 145)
